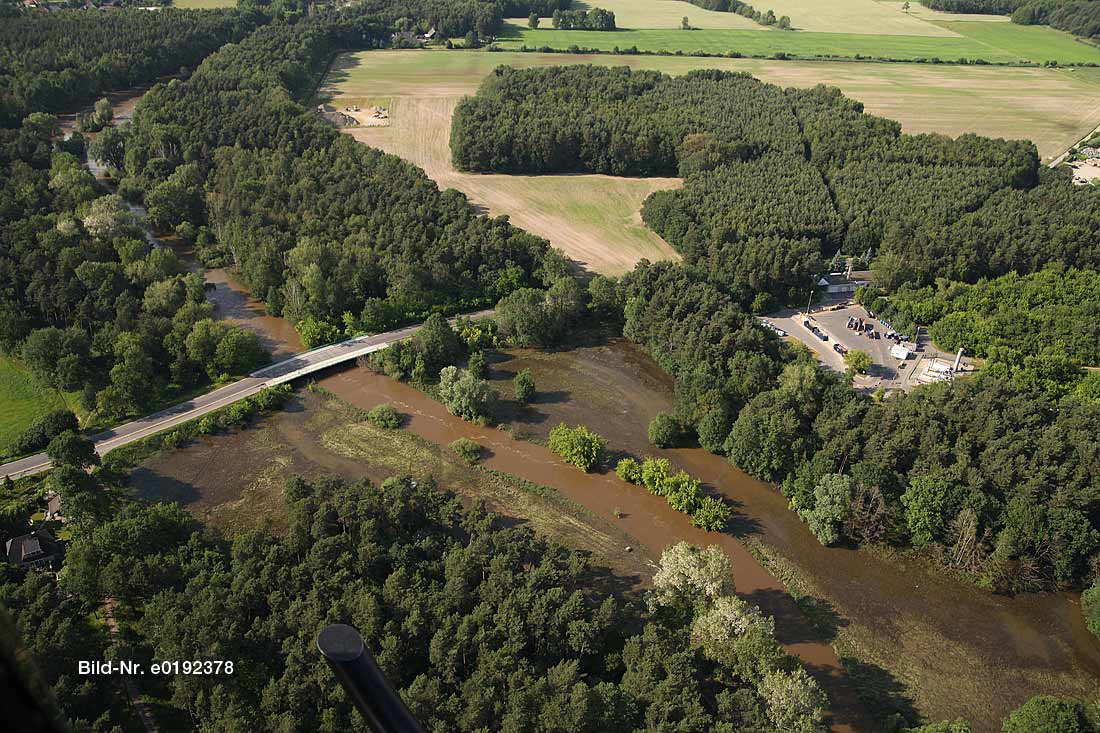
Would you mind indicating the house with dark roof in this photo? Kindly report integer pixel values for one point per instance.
(53, 506)
(36, 550)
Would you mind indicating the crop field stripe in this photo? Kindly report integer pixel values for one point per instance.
(999, 43)
(764, 43)
(1036, 43)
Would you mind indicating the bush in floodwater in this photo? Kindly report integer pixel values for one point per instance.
(664, 430)
(466, 449)
(578, 446)
(1090, 606)
(629, 470)
(385, 417)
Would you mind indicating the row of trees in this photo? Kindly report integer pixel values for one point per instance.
(594, 19)
(51, 62)
(683, 492)
(743, 9)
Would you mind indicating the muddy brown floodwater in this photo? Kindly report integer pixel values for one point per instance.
(236, 305)
(950, 649)
(640, 514)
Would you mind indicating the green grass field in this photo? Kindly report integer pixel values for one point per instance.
(761, 43)
(22, 400)
(992, 42)
(1034, 42)
(203, 4)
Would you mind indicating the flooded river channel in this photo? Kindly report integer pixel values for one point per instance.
(960, 651)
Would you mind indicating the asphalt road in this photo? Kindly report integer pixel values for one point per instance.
(284, 371)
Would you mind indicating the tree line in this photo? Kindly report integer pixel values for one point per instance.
(994, 7)
(743, 9)
(51, 62)
(1079, 17)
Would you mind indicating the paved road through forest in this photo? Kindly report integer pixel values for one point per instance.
(284, 371)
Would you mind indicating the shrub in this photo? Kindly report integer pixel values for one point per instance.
(525, 386)
(385, 417)
(43, 430)
(664, 430)
(655, 475)
(579, 446)
(208, 425)
(683, 493)
(467, 449)
(477, 365)
(712, 514)
(463, 394)
(1090, 606)
(629, 470)
(1050, 715)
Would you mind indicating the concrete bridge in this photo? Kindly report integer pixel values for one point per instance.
(288, 370)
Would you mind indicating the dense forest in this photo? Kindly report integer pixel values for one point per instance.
(85, 299)
(479, 626)
(52, 62)
(1054, 311)
(324, 229)
(947, 466)
(775, 181)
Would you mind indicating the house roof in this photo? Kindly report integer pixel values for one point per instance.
(839, 278)
(37, 545)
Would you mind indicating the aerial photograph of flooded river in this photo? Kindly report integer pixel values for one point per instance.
(526, 365)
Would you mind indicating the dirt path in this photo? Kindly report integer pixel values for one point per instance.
(143, 710)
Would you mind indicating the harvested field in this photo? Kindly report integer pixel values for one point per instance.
(847, 16)
(594, 219)
(1053, 107)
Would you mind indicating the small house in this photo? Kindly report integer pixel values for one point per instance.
(37, 550)
(839, 283)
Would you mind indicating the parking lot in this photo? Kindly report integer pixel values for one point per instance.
(831, 320)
